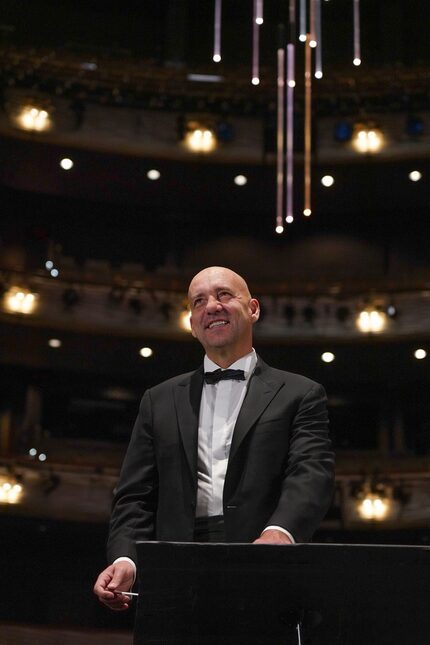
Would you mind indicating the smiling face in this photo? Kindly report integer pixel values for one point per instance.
(222, 314)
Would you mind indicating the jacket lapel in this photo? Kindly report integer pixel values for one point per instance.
(261, 390)
(188, 395)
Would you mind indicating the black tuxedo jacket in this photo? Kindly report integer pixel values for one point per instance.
(280, 468)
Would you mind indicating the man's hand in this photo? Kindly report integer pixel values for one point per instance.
(117, 577)
(273, 536)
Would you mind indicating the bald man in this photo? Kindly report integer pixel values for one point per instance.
(236, 451)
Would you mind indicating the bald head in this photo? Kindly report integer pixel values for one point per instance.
(222, 314)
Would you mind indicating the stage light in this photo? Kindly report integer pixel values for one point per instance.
(371, 320)
(20, 301)
(302, 38)
(392, 311)
(55, 343)
(318, 74)
(356, 62)
(255, 80)
(328, 357)
(146, 352)
(200, 140)
(367, 139)
(327, 181)
(42, 457)
(420, 354)
(153, 174)
(10, 490)
(240, 180)
(34, 119)
(279, 229)
(289, 219)
(415, 175)
(292, 83)
(307, 212)
(32, 452)
(54, 273)
(313, 44)
(49, 265)
(216, 58)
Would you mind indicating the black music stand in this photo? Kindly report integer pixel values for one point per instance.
(225, 594)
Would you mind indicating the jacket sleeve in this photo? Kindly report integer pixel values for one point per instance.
(135, 497)
(308, 481)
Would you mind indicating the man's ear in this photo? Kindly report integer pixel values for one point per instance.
(254, 308)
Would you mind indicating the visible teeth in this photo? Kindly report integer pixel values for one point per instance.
(217, 323)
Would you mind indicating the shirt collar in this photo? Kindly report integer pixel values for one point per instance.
(246, 363)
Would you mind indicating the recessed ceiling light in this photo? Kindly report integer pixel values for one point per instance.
(415, 175)
(327, 357)
(327, 181)
(146, 352)
(153, 174)
(240, 180)
(54, 342)
(66, 163)
(420, 354)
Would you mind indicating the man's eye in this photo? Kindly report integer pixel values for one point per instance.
(224, 295)
(197, 302)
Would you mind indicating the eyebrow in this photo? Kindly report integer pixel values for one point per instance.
(200, 294)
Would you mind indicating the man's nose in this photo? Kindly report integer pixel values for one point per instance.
(213, 304)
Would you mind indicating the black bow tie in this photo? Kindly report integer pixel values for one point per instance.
(224, 375)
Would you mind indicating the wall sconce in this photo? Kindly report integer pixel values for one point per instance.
(200, 137)
(20, 301)
(367, 139)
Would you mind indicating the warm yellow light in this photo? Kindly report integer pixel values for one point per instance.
(328, 357)
(373, 507)
(55, 343)
(279, 229)
(313, 44)
(420, 354)
(20, 301)
(146, 352)
(367, 140)
(33, 118)
(10, 491)
(184, 320)
(200, 140)
(371, 320)
(307, 212)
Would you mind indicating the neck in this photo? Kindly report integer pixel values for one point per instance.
(226, 358)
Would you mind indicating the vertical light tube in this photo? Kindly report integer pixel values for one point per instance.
(290, 134)
(259, 12)
(303, 29)
(255, 47)
(357, 38)
(217, 32)
(318, 51)
(280, 141)
(312, 15)
(308, 127)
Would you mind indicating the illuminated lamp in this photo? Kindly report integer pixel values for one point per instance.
(20, 301)
(371, 320)
(33, 118)
(10, 490)
(200, 138)
(367, 139)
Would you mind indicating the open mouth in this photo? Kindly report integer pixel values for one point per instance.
(217, 323)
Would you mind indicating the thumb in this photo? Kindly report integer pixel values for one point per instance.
(119, 577)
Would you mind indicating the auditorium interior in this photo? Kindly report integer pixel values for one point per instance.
(109, 207)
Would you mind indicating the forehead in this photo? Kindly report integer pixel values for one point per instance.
(215, 279)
